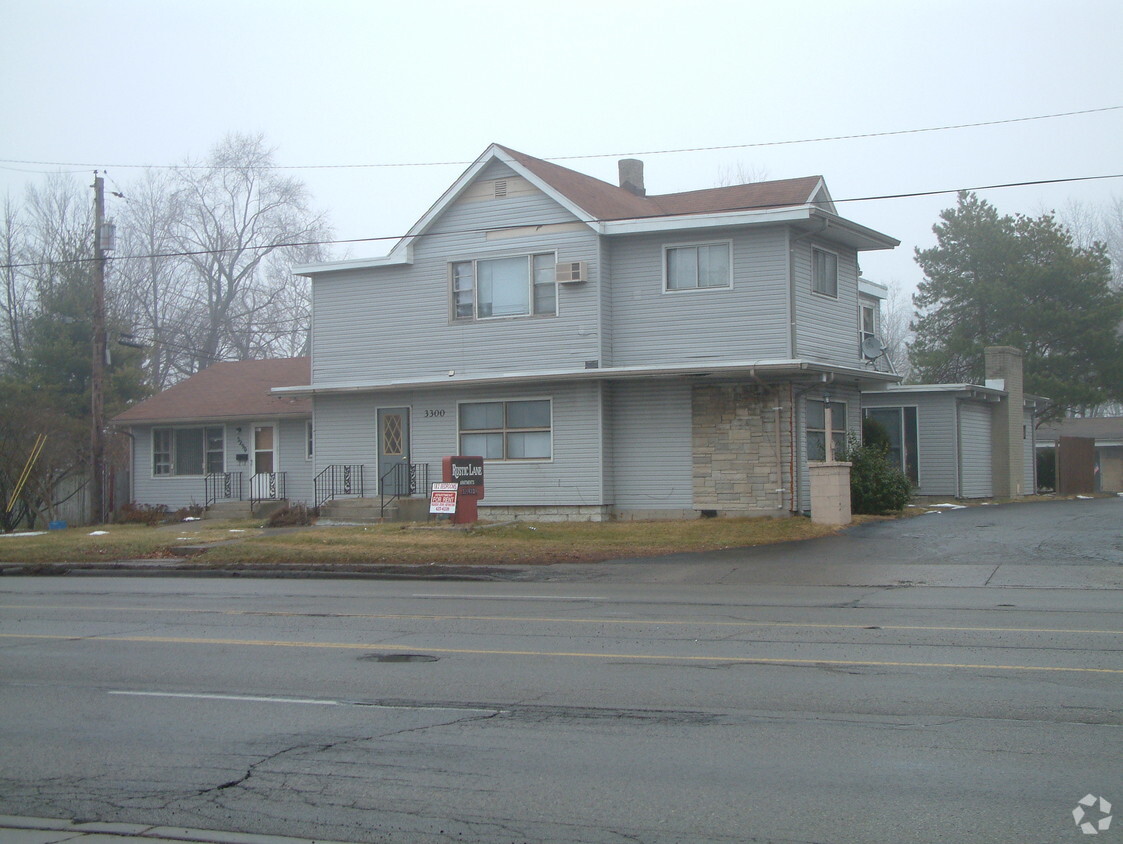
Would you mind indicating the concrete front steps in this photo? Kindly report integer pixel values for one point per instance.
(241, 509)
(369, 510)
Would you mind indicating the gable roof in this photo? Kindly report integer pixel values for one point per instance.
(611, 209)
(230, 390)
(609, 202)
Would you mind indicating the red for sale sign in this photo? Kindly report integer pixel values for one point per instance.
(442, 498)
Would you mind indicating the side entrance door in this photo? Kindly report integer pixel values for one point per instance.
(264, 462)
(393, 450)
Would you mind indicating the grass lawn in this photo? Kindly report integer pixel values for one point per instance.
(524, 543)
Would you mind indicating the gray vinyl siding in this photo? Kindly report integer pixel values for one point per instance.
(1029, 450)
(747, 321)
(394, 322)
(290, 455)
(826, 327)
(937, 439)
(975, 450)
(853, 423)
(651, 436)
(347, 433)
(183, 491)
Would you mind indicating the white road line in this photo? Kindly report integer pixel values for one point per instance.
(300, 700)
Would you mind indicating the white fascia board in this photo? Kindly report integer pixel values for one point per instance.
(396, 257)
(971, 390)
(645, 225)
(737, 368)
(873, 288)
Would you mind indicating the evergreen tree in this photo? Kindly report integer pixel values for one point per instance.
(1019, 281)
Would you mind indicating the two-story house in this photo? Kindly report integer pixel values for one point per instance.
(608, 352)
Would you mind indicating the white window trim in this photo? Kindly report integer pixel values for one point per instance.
(667, 247)
(837, 272)
(515, 461)
(172, 475)
(309, 439)
(474, 261)
(835, 429)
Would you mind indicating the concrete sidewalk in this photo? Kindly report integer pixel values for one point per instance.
(15, 829)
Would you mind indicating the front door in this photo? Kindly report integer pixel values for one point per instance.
(393, 450)
(264, 462)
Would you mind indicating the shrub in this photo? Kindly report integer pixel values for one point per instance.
(191, 511)
(876, 486)
(142, 514)
(295, 514)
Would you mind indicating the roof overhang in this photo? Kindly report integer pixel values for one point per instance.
(758, 370)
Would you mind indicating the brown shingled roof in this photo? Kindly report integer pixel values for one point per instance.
(610, 202)
(232, 390)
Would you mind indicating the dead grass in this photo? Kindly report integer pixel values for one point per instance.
(520, 543)
(116, 542)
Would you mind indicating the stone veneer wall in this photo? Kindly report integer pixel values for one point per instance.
(736, 466)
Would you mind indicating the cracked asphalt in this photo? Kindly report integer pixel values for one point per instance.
(954, 677)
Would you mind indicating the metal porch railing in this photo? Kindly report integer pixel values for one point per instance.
(404, 479)
(222, 486)
(267, 486)
(339, 479)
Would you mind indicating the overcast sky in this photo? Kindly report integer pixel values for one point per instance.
(342, 82)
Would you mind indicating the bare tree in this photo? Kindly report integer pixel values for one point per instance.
(14, 297)
(896, 318)
(241, 226)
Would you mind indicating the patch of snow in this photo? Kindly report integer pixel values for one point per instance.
(932, 513)
(237, 530)
(99, 533)
(950, 506)
(1085, 497)
(26, 533)
(193, 519)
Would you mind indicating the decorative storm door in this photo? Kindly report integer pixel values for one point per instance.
(393, 450)
(264, 468)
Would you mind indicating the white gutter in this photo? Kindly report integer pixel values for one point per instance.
(698, 370)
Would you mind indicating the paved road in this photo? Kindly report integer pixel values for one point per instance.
(812, 693)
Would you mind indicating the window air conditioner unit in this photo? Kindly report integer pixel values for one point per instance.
(571, 272)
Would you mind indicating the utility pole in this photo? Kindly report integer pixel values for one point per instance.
(97, 372)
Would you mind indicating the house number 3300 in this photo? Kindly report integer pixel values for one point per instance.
(434, 414)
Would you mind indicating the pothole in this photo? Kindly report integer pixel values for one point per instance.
(399, 658)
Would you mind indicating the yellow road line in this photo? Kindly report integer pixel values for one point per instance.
(551, 620)
(173, 640)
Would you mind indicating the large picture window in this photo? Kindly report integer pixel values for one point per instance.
(504, 287)
(900, 424)
(697, 266)
(506, 430)
(817, 428)
(824, 270)
(188, 451)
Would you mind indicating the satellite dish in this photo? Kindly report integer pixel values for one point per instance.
(872, 347)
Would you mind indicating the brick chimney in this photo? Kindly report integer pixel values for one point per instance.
(631, 176)
(1007, 456)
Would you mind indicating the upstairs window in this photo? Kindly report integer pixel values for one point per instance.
(698, 266)
(869, 324)
(506, 430)
(187, 451)
(505, 287)
(824, 272)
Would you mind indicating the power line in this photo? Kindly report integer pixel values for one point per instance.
(857, 136)
(334, 242)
